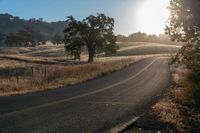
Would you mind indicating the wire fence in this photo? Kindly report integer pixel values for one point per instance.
(20, 74)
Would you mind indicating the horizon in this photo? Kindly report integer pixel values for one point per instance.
(64, 21)
(130, 16)
(99, 66)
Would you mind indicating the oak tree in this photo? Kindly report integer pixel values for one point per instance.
(95, 33)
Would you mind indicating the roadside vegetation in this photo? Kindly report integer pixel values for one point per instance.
(87, 50)
(44, 67)
(176, 111)
(20, 77)
(31, 69)
(186, 28)
(179, 110)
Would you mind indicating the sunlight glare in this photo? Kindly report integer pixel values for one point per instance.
(152, 16)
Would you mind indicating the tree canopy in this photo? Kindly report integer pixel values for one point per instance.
(143, 37)
(57, 39)
(94, 32)
(43, 31)
(184, 20)
(184, 26)
(21, 38)
(1, 37)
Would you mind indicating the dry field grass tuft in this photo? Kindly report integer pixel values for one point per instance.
(20, 77)
(174, 112)
(176, 108)
(44, 67)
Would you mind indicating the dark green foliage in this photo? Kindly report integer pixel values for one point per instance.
(191, 57)
(184, 26)
(43, 31)
(137, 37)
(23, 38)
(2, 38)
(121, 38)
(94, 32)
(142, 37)
(184, 21)
(192, 89)
(57, 39)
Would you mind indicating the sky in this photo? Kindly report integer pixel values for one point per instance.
(130, 15)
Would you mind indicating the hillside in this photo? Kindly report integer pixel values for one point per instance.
(12, 24)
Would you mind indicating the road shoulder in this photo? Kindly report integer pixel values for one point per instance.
(169, 114)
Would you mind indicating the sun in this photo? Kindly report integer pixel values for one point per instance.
(152, 16)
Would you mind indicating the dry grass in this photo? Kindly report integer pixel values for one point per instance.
(55, 76)
(176, 108)
(167, 109)
(47, 67)
(148, 45)
(147, 49)
(169, 112)
(174, 112)
(187, 90)
(30, 59)
(29, 50)
(5, 63)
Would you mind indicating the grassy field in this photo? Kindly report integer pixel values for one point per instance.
(20, 77)
(146, 49)
(39, 68)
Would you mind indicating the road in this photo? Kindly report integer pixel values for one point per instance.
(93, 106)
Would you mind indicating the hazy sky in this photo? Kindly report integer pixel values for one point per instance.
(125, 12)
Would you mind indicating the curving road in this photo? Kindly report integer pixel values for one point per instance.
(93, 106)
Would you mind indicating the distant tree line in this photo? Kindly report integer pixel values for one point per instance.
(27, 38)
(15, 31)
(2, 38)
(143, 37)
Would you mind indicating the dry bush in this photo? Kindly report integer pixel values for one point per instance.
(169, 112)
(188, 88)
(192, 90)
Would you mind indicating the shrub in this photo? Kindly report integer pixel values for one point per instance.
(192, 90)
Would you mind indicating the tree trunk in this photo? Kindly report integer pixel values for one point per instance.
(91, 55)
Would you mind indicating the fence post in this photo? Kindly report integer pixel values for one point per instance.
(17, 76)
(32, 72)
(32, 76)
(45, 72)
(45, 76)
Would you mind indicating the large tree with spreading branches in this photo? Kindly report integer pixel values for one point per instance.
(95, 33)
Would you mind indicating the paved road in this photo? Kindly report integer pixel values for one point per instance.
(93, 106)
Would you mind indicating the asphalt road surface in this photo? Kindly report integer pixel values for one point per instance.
(93, 106)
